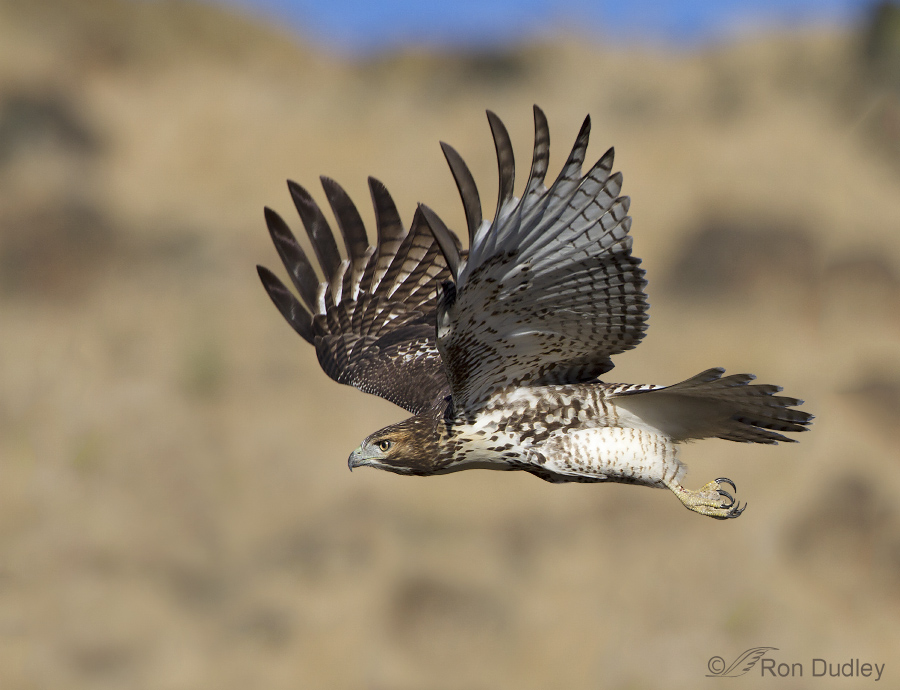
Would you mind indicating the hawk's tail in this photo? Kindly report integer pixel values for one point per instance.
(711, 405)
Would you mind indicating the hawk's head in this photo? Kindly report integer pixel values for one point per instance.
(408, 447)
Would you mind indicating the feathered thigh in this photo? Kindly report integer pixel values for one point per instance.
(633, 456)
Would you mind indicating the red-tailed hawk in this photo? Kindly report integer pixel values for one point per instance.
(497, 351)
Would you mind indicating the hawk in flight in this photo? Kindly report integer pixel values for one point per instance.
(498, 351)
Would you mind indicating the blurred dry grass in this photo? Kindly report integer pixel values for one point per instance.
(175, 510)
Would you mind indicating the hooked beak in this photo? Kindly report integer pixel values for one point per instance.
(365, 456)
(357, 459)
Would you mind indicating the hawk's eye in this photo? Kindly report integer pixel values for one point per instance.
(384, 445)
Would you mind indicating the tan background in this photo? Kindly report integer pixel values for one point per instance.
(175, 506)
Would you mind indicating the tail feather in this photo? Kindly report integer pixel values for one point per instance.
(712, 405)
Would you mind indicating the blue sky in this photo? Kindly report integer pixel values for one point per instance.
(359, 25)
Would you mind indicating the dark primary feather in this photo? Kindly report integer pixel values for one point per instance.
(468, 192)
(550, 290)
(349, 221)
(302, 274)
(294, 312)
(506, 166)
(371, 317)
(445, 240)
(317, 228)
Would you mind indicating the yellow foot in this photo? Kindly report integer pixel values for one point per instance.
(710, 500)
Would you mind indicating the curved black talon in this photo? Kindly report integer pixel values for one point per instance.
(733, 513)
(727, 495)
(726, 480)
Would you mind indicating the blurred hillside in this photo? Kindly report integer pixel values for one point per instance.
(175, 509)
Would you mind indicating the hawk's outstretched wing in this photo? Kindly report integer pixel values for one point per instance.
(549, 290)
(372, 317)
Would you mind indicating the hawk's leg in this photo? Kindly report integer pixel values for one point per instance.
(613, 454)
(633, 456)
(711, 500)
